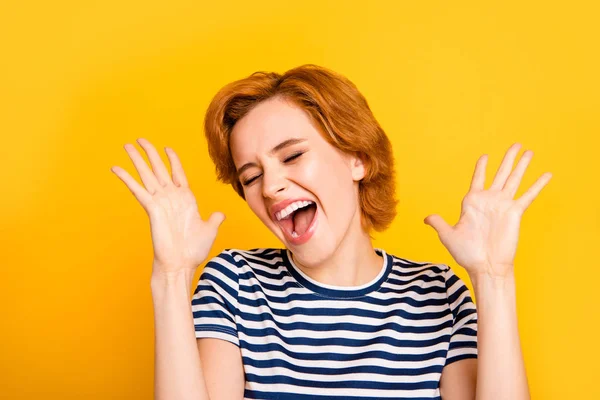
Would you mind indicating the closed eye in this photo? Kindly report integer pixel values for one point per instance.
(293, 157)
(249, 181)
(290, 158)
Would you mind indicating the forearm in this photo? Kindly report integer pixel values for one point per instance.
(177, 367)
(500, 368)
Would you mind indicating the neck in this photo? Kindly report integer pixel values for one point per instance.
(353, 263)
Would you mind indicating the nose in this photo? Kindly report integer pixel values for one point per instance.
(274, 182)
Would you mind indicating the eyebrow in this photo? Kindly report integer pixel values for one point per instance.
(280, 146)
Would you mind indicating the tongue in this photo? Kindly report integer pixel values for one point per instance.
(302, 219)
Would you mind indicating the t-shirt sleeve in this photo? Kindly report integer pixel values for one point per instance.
(215, 299)
(463, 342)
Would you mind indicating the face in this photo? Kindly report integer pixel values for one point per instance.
(305, 167)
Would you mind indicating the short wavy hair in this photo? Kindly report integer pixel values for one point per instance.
(336, 107)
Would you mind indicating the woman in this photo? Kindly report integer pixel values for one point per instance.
(328, 316)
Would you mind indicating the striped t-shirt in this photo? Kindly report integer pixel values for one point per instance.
(301, 339)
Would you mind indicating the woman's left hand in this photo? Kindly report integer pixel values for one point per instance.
(484, 241)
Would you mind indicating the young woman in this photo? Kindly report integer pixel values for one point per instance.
(328, 316)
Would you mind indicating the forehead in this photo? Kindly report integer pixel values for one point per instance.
(268, 124)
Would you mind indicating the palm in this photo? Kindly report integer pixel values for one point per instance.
(486, 233)
(179, 234)
(485, 238)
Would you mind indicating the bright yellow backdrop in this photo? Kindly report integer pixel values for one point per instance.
(447, 81)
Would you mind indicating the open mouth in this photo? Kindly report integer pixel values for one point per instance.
(299, 223)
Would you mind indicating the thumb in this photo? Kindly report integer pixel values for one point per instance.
(216, 219)
(437, 223)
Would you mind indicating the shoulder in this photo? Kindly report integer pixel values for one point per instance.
(434, 280)
(235, 259)
(433, 275)
(410, 267)
(230, 265)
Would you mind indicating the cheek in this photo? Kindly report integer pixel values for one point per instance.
(310, 172)
(329, 181)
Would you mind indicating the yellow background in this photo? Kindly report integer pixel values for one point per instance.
(448, 82)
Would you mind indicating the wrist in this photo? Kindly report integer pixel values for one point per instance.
(485, 281)
(160, 278)
(171, 270)
(493, 272)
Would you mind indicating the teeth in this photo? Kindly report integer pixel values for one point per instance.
(291, 208)
(294, 234)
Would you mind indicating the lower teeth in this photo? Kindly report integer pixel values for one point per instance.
(294, 234)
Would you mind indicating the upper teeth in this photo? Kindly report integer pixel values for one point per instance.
(291, 208)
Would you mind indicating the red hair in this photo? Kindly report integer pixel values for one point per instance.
(337, 108)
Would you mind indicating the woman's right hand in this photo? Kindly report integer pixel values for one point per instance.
(180, 238)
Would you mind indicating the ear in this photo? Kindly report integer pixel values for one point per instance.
(357, 166)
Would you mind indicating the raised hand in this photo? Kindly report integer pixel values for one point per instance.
(180, 238)
(484, 241)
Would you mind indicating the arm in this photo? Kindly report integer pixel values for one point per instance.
(181, 241)
(484, 242)
(215, 308)
(501, 369)
(459, 376)
(459, 380)
(223, 368)
(177, 367)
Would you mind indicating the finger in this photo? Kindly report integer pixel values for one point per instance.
(147, 176)
(438, 224)
(179, 177)
(160, 170)
(479, 175)
(505, 167)
(527, 198)
(216, 219)
(138, 191)
(514, 180)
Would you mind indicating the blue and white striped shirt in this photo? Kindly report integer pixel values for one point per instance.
(301, 339)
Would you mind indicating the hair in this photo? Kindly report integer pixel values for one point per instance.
(336, 107)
